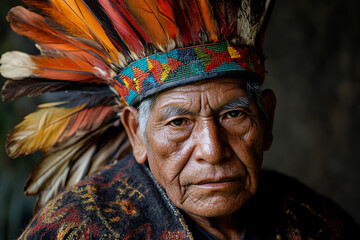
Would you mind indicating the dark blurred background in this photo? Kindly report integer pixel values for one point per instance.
(313, 52)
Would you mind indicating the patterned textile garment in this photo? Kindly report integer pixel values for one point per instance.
(125, 202)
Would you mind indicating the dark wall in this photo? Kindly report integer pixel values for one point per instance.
(314, 69)
(313, 51)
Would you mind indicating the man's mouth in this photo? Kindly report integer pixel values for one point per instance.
(218, 183)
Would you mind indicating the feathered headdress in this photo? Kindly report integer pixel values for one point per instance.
(104, 54)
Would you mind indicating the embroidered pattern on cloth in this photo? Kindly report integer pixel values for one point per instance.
(148, 74)
(118, 204)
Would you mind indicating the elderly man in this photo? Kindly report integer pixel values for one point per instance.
(183, 79)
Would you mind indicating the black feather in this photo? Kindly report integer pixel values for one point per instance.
(98, 11)
(15, 89)
(91, 98)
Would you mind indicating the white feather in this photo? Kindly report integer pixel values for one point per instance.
(16, 65)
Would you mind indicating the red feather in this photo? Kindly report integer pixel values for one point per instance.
(199, 13)
(182, 22)
(121, 7)
(166, 12)
(121, 24)
(226, 12)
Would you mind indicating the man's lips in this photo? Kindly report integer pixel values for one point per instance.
(218, 183)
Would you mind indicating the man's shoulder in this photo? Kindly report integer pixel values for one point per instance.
(84, 206)
(113, 204)
(297, 210)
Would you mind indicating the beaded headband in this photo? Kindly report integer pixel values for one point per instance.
(180, 66)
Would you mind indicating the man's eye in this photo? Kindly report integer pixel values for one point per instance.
(177, 122)
(234, 113)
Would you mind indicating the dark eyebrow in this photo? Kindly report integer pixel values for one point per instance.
(173, 111)
(241, 102)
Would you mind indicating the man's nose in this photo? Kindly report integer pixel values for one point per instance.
(211, 143)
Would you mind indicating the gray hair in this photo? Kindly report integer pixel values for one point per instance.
(144, 112)
(252, 88)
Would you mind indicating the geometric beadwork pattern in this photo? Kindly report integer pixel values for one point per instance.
(163, 70)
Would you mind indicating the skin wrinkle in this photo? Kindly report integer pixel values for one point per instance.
(189, 157)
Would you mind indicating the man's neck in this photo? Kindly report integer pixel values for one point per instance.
(223, 227)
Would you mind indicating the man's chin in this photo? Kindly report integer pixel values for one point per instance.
(217, 206)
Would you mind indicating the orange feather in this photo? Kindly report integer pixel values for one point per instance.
(68, 67)
(81, 16)
(33, 26)
(154, 22)
(208, 18)
(54, 15)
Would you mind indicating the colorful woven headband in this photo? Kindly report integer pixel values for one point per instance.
(162, 71)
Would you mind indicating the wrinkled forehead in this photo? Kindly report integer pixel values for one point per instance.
(209, 96)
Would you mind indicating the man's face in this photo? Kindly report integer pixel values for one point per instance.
(205, 146)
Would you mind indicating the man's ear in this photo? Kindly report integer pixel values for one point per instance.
(269, 101)
(129, 119)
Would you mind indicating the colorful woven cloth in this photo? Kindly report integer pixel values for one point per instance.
(125, 202)
(185, 65)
